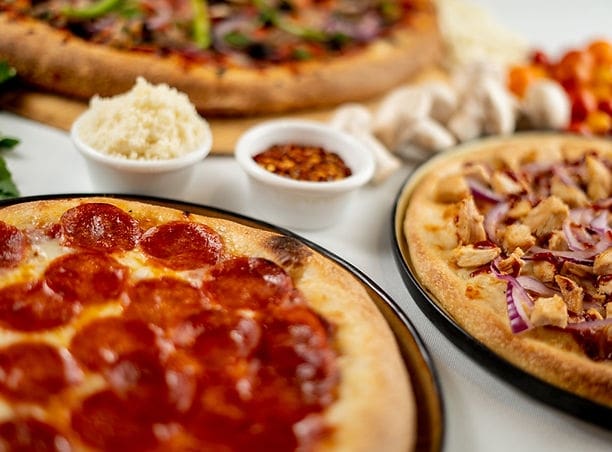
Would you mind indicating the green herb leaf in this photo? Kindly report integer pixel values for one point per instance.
(301, 54)
(237, 39)
(6, 71)
(8, 142)
(92, 11)
(8, 189)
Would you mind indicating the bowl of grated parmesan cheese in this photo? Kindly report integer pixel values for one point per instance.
(145, 141)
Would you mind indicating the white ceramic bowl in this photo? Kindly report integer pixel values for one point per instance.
(147, 177)
(302, 204)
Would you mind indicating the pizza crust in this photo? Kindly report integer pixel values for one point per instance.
(375, 408)
(478, 304)
(57, 61)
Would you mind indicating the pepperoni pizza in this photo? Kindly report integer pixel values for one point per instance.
(131, 326)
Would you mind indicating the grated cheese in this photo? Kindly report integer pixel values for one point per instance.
(149, 122)
(471, 34)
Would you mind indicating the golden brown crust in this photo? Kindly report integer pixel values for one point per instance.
(375, 407)
(60, 62)
(477, 303)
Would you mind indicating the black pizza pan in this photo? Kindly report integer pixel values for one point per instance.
(424, 380)
(580, 407)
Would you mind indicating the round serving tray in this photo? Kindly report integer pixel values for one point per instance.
(537, 388)
(424, 380)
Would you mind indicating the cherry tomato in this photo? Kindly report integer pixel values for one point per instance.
(601, 51)
(605, 105)
(599, 122)
(583, 103)
(575, 67)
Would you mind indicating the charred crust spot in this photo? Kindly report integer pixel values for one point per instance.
(290, 253)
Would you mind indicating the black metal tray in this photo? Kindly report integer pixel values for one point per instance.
(424, 381)
(580, 407)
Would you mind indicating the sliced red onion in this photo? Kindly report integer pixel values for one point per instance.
(600, 223)
(582, 256)
(493, 218)
(516, 295)
(536, 168)
(605, 203)
(519, 321)
(589, 325)
(532, 284)
(578, 238)
(581, 215)
(561, 172)
(482, 192)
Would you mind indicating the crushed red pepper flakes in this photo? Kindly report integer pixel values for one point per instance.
(302, 162)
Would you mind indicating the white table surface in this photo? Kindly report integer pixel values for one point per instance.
(483, 413)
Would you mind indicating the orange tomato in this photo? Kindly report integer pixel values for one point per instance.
(601, 51)
(599, 122)
(519, 78)
(575, 68)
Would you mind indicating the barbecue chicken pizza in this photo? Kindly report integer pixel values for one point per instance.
(512, 238)
(131, 326)
(229, 57)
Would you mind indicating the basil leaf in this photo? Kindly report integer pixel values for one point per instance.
(8, 189)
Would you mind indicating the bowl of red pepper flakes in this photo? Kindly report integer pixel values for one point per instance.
(586, 76)
(302, 174)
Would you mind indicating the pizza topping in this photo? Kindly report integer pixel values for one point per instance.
(239, 362)
(13, 245)
(549, 311)
(222, 340)
(32, 306)
(29, 434)
(86, 277)
(101, 343)
(473, 256)
(238, 33)
(164, 302)
(470, 223)
(183, 245)
(99, 227)
(296, 347)
(551, 235)
(300, 162)
(109, 422)
(248, 283)
(34, 371)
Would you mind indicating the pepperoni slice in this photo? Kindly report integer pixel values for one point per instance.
(223, 420)
(165, 302)
(296, 348)
(32, 307)
(219, 339)
(27, 435)
(183, 245)
(102, 342)
(248, 283)
(87, 277)
(99, 226)
(109, 422)
(168, 386)
(13, 245)
(33, 371)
